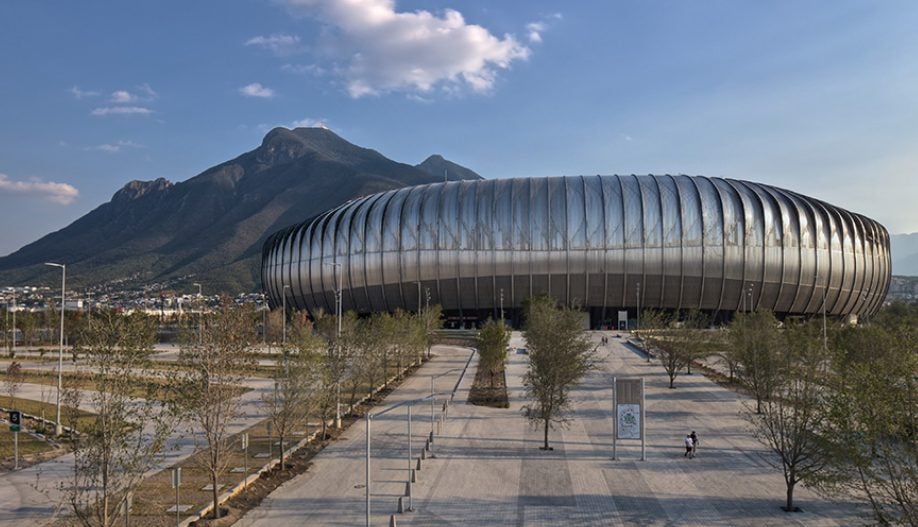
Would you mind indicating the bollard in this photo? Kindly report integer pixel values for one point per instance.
(419, 466)
(401, 507)
(408, 489)
(414, 476)
(423, 454)
(431, 437)
(427, 445)
(392, 521)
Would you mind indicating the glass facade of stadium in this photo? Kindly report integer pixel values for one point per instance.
(604, 243)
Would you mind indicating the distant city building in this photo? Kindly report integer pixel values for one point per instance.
(604, 243)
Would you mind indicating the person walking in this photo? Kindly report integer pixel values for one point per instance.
(694, 437)
(689, 446)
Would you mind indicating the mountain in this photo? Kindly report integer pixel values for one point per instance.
(904, 249)
(212, 226)
(441, 168)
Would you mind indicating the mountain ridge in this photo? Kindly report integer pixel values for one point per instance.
(211, 226)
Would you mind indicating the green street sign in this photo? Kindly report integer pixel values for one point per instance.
(15, 420)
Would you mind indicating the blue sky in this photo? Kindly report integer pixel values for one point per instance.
(818, 97)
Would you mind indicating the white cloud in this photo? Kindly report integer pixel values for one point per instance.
(257, 90)
(381, 50)
(121, 110)
(535, 30)
(142, 93)
(122, 96)
(81, 94)
(112, 148)
(304, 69)
(61, 193)
(277, 43)
(309, 123)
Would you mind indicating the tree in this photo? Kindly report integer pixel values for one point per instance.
(873, 415)
(212, 371)
(372, 348)
(666, 343)
(754, 338)
(296, 382)
(493, 340)
(13, 381)
(792, 422)
(113, 452)
(433, 322)
(560, 354)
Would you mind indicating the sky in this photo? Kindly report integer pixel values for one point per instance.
(818, 97)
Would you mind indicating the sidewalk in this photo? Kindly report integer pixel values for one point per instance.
(490, 471)
(332, 491)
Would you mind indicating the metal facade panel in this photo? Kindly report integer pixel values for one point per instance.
(688, 242)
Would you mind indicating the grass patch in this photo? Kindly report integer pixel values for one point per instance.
(34, 448)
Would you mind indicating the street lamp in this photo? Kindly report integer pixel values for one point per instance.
(60, 355)
(337, 272)
(284, 309)
(501, 305)
(264, 319)
(200, 316)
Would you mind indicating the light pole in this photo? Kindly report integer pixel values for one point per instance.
(264, 319)
(200, 315)
(338, 275)
(419, 298)
(284, 309)
(637, 296)
(60, 355)
(501, 305)
(14, 323)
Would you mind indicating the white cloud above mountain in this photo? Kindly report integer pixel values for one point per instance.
(61, 193)
(377, 49)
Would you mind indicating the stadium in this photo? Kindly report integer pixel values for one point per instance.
(605, 244)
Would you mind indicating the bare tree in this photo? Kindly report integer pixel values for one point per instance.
(791, 422)
(560, 354)
(213, 370)
(296, 383)
(13, 381)
(754, 338)
(113, 452)
(675, 342)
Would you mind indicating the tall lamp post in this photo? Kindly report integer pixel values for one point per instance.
(284, 318)
(264, 319)
(60, 355)
(337, 266)
(200, 316)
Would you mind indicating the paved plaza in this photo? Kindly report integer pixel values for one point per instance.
(489, 469)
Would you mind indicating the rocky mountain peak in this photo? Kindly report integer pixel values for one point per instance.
(136, 188)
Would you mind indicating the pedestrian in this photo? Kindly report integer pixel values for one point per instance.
(694, 437)
(689, 445)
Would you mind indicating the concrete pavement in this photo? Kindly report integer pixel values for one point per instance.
(332, 492)
(489, 469)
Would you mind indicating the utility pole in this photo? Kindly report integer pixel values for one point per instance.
(200, 316)
(284, 325)
(58, 428)
(338, 275)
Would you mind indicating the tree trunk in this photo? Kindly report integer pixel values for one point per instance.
(790, 498)
(282, 460)
(545, 447)
(216, 495)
